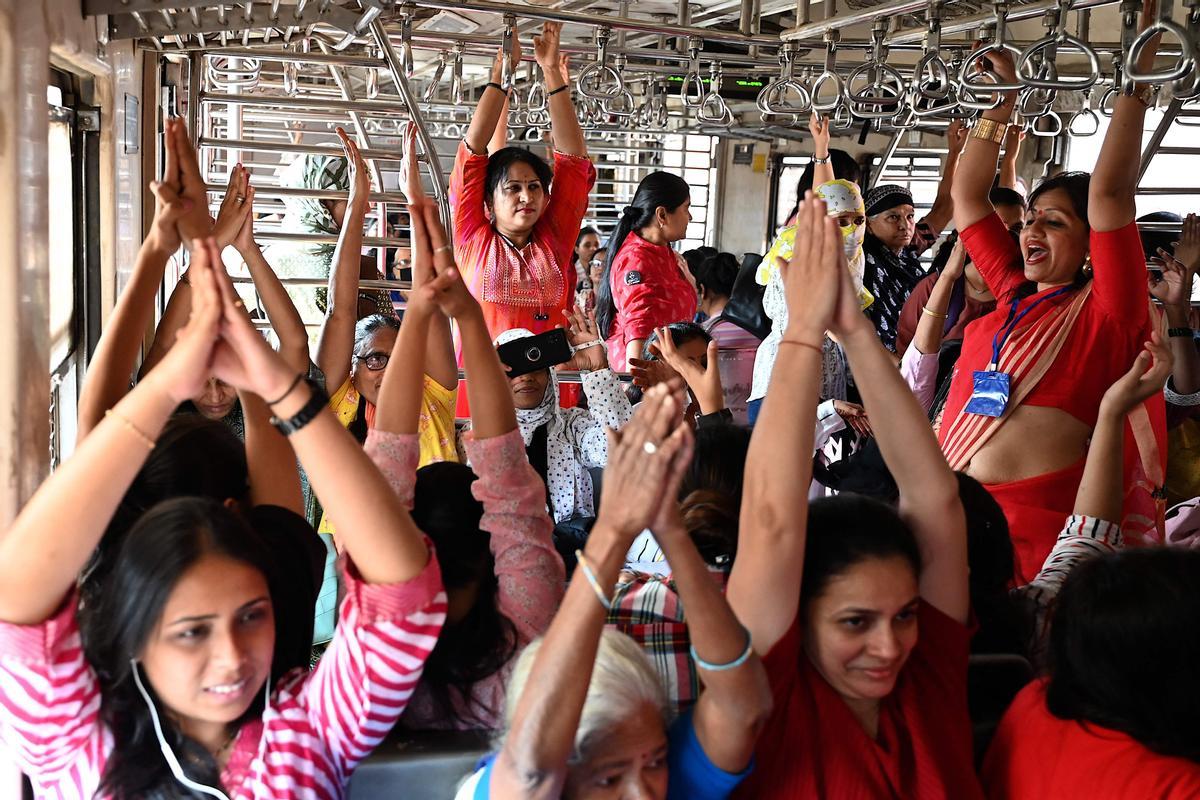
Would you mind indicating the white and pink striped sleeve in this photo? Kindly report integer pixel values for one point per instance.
(365, 679)
(49, 698)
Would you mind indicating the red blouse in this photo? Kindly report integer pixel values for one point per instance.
(1036, 755)
(814, 747)
(649, 291)
(527, 287)
(1106, 337)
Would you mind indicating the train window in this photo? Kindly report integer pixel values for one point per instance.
(62, 234)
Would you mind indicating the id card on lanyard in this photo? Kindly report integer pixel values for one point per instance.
(989, 397)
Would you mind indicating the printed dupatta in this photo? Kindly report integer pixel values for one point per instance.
(1031, 352)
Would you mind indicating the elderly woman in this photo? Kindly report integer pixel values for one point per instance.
(596, 723)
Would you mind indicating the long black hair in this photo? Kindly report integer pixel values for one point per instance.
(479, 645)
(1124, 645)
(657, 190)
(846, 530)
(167, 541)
(717, 273)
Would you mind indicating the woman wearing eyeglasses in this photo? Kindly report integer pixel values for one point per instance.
(352, 352)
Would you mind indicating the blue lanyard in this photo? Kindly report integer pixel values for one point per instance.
(1014, 319)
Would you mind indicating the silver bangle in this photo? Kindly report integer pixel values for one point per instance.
(737, 662)
(824, 160)
(591, 578)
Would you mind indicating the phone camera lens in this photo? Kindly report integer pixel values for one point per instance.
(533, 354)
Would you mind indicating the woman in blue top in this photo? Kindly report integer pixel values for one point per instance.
(595, 724)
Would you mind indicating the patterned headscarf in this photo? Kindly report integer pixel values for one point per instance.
(885, 196)
(842, 196)
(307, 214)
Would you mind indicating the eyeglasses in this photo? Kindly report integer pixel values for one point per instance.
(374, 361)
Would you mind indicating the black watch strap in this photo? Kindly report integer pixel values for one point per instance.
(316, 402)
(1180, 332)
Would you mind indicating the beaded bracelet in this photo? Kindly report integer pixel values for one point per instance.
(591, 578)
(562, 88)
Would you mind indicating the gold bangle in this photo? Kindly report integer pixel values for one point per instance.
(989, 130)
(134, 429)
(820, 350)
(934, 314)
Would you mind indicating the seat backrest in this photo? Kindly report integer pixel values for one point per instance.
(419, 766)
(993, 680)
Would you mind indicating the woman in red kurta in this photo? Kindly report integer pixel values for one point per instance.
(513, 238)
(1072, 313)
(859, 612)
(1116, 717)
(646, 284)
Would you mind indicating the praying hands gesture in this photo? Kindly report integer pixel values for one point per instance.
(703, 381)
(236, 209)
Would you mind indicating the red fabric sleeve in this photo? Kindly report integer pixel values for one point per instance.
(574, 177)
(782, 663)
(636, 303)
(995, 255)
(1119, 274)
(910, 315)
(466, 195)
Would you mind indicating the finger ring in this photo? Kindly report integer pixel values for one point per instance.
(650, 447)
(238, 304)
(241, 199)
(443, 248)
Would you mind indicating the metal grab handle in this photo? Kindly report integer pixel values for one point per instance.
(372, 83)
(842, 118)
(1050, 115)
(904, 119)
(600, 81)
(536, 100)
(507, 67)
(931, 78)
(225, 75)
(291, 77)
(406, 48)
(829, 75)
(692, 80)
(1185, 63)
(713, 109)
(836, 100)
(1091, 123)
(967, 95)
(1056, 40)
(457, 92)
(886, 79)
(1036, 102)
(998, 44)
(773, 99)
(623, 105)
(436, 81)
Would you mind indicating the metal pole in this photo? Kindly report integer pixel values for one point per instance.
(414, 110)
(970, 23)
(1154, 145)
(893, 143)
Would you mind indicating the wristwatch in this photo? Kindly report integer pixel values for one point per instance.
(316, 402)
(822, 160)
(1183, 333)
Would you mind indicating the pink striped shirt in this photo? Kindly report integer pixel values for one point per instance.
(320, 724)
(529, 570)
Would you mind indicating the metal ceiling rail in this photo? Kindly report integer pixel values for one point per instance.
(970, 23)
(604, 20)
(316, 194)
(850, 18)
(287, 147)
(322, 238)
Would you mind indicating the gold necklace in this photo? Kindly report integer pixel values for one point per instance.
(974, 288)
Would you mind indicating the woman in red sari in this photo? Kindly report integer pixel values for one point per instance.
(1071, 316)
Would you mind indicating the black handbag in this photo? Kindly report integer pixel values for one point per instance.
(745, 306)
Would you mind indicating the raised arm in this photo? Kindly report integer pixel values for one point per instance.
(493, 103)
(764, 587)
(929, 499)
(533, 761)
(111, 366)
(440, 361)
(974, 175)
(375, 529)
(818, 126)
(931, 326)
(56, 532)
(1174, 291)
(564, 122)
(1115, 176)
(735, 703)
(703, 382)
(1012, 151)
(943, 203)
(335, 346)
(499, 138)
(285, 320)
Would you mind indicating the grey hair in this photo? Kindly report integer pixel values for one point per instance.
(622, 680)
